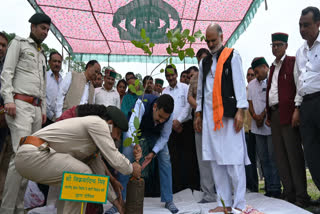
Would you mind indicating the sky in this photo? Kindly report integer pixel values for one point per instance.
(281, 16)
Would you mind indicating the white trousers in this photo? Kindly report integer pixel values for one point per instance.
(228, 178)
(206, 178)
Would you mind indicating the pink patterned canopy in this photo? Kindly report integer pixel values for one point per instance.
(107, 26)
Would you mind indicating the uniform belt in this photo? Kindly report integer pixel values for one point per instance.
(274, 107)
(33, 140)
(29, 99)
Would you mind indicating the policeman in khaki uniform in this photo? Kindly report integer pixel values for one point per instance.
(70, 145)
(24, 91)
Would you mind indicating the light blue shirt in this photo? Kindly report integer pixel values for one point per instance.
(52, 89)
(165, 133)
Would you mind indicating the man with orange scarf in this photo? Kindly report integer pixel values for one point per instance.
(221, 100)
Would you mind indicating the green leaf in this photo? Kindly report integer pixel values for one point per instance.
(143, 34)
(170, 70)
(161, 70)
(132, 89)
(173, 65)
(147, 40)
(170, 60)
(175, 41)
(127, 142)
(169, 51)
(190, 52)
(202, 38)
(151, 45)
(181, 55)
(191, 39)
(181, 43)
(186, 32)
(145, 100)
(136, 82)
(136, 123)
(176, 32)
(136, 139)
(138, 44)
(139, 93)
(132, 110)
(198, 34)
(169, 35)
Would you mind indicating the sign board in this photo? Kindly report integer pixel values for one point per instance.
(84, 187)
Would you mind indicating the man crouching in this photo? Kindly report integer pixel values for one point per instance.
(68, 145)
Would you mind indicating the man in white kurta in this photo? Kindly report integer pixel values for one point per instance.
(225, 148)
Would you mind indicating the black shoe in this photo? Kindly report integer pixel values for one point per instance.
(312, 202)
(273, 194)
(316, 210)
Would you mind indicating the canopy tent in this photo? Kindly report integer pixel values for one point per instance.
(102, 29)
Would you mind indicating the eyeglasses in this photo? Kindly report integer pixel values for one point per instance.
(277, 45)
(252, 75)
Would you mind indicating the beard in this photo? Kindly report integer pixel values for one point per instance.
(214, 50)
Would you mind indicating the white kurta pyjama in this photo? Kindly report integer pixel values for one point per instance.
(224, 148)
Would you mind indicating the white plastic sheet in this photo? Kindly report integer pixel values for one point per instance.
(186, 201)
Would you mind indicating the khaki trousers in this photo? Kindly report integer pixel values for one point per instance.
(27, 121)
(47, 167)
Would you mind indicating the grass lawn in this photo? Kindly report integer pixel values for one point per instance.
(312, 189)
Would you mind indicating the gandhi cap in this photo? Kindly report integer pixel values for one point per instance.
(283, 37)
(113, 74)
(39, 18)
(159, 81)
(258, 61)
(118, 118)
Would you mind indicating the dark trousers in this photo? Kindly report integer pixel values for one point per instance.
(251, 170)
(265, 153)
(185, 169)
(289, 158)
(310, 133)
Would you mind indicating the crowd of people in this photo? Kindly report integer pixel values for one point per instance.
(205, 132)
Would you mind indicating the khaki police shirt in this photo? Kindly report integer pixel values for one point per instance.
(24, 71)
(81, 137)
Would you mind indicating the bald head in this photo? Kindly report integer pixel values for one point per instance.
(214, 37)
(214, 28)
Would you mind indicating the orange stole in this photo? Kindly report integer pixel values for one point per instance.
(217, 103)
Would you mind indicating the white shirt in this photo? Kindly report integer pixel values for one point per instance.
(165, 133)
(52, 89)
(107, 98)
(307, 69)
(181, 105)
(65, 85)
(257, 94)
(273, 93)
